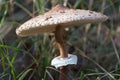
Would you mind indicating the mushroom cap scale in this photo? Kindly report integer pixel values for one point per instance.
(58, 15)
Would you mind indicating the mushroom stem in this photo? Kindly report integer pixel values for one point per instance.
(64, 73)
(63, 52)
(60, 41)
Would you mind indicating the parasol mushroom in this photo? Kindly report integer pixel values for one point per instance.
(54, 21)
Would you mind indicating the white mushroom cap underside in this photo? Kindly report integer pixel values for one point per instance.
(47, 22)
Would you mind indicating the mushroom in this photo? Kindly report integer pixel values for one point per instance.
(54, 21)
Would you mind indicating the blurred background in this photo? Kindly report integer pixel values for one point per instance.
(96, 45)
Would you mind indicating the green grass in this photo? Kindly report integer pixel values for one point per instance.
(94, 44)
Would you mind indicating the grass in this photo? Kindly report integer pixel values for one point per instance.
(96, 45)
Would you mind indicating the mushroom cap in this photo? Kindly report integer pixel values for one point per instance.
(58, 15)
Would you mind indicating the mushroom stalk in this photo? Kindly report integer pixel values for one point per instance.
(63, 52)
(60, 41)
(64, 73)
